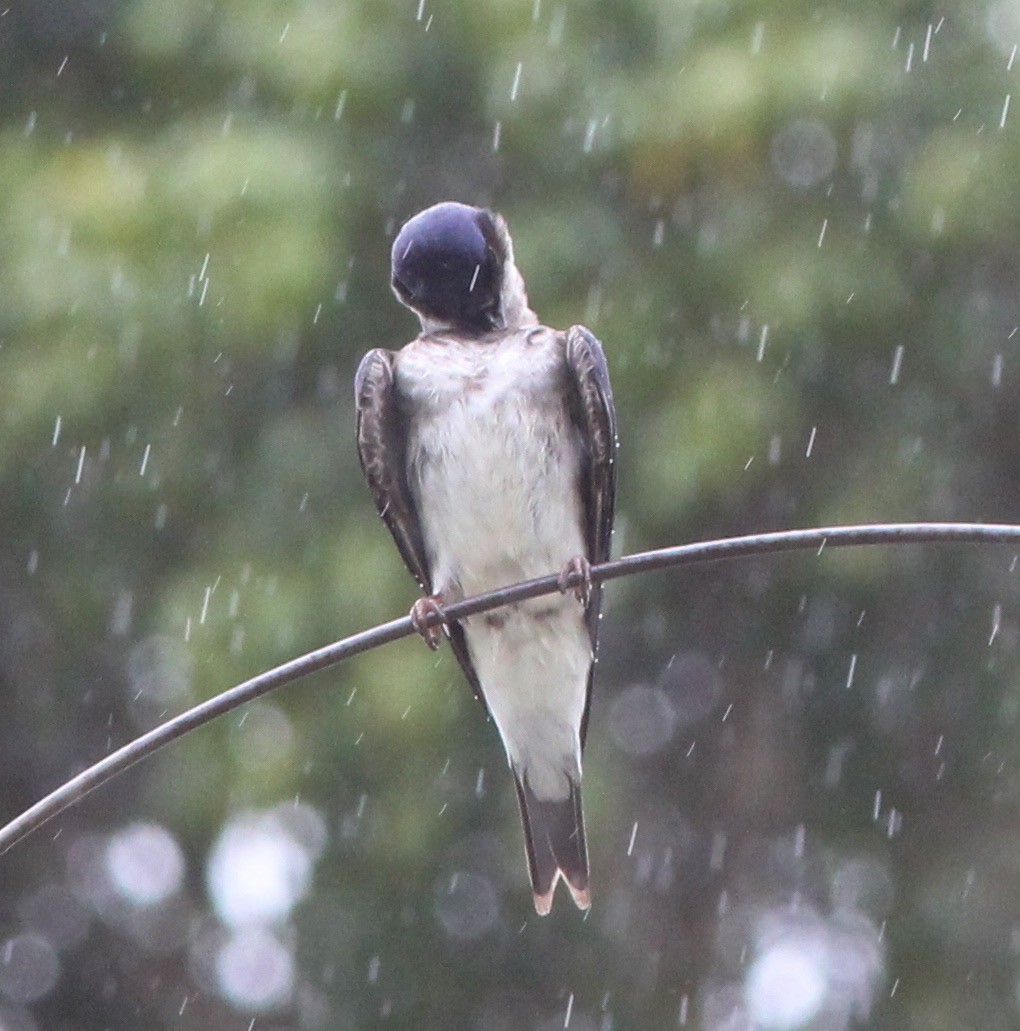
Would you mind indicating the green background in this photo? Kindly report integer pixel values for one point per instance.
(794, 225)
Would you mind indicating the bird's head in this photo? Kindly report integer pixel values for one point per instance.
(453, 266)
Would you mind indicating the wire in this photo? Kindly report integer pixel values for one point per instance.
(75, 789)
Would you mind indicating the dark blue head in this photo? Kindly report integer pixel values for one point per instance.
(447, 265)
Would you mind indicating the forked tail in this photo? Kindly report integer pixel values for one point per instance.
(555, 845)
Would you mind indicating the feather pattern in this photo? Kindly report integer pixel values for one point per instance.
(490, 456)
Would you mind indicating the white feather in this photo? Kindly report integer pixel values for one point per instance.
(494, 465)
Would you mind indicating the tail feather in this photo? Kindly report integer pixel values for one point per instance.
(555, 845)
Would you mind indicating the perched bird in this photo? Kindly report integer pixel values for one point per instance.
(488, 443)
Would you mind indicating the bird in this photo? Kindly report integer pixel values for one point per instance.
(488, 443)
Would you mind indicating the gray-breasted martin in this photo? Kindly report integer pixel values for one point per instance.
(488, 443)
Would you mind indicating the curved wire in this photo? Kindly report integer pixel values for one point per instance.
(75, 789)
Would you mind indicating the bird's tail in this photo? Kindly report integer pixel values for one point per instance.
(555, 845)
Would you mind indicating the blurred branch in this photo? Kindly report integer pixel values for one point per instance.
(682, 555)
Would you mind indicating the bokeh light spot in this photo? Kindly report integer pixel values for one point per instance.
(145, 864)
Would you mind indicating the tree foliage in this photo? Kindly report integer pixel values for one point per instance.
(794, 226)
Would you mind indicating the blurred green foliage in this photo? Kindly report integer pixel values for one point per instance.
(795, 228)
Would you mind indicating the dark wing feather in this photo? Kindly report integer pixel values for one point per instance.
(382, 449)
(590, 399)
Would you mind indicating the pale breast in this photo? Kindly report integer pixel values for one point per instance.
(493, 457)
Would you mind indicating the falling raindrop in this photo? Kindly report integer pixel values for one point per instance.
(515, 87)
(589, 136)
(556, 26)
(894, 374)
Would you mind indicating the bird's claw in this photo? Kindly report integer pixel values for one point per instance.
(576, 567)
(421, 611)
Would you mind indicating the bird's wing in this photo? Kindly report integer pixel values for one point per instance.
(382, 448)
(590, 400)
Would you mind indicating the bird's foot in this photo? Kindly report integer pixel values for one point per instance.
(576, 576)
(421, 610)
